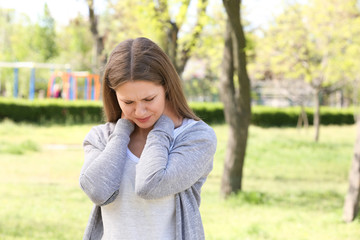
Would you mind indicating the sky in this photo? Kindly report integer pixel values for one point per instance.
(61, 10)
(259, 12)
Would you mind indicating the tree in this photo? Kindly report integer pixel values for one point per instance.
(179, 49)
(236, 98)
(99, 40)
(208, 52)
(16, 35)
(44, 39)
(77, 40)
(350, 63)
(6, 23)
(352, 200)
(168, 22)
(327, 20)
(308, 42)
(351, 68)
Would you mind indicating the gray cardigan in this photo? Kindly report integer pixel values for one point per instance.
(159, 173)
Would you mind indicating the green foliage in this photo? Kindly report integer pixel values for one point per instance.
(69, 112)
(201, 89)
(77, 40)
(44, 38)
(45, 41)
(275, 117)
(50, 111)
(279, 117)
(209, 112)
(270, 116)
(15, 36)
(22, 41)
(317, 41)
(170, 23)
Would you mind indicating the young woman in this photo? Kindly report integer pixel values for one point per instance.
(145, 167)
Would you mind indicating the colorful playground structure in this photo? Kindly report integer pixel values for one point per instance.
(68, 85)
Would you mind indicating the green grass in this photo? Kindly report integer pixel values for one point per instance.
(293, 188)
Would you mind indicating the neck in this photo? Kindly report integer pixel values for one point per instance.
(142, 132)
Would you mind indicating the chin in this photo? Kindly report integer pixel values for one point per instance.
(146, 125)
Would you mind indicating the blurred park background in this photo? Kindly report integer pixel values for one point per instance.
(302, 69)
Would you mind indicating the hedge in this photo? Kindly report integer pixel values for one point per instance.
(51, 111)
(59, 111)
(271, 116)
(266, 116)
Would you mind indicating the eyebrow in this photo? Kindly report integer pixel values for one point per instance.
(150, 96)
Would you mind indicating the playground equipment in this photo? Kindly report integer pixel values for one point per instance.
(69, 80)
(69, 85)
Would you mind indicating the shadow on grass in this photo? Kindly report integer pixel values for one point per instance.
(323, 201)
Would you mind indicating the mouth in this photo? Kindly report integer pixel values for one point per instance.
(143, 120)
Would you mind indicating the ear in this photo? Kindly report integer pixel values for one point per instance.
(167, 95)
(166, 89)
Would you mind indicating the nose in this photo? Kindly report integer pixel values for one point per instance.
(140, 110)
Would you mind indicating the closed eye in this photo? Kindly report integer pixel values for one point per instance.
(149, 99)
(128, 102)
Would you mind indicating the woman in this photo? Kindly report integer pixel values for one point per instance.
(145, 167)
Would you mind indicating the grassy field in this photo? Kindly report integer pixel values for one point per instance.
(292, 188)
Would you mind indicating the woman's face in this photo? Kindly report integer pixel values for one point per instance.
(142, 102)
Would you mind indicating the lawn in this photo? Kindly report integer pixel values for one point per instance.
(293, 188)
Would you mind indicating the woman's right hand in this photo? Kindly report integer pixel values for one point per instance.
(119, 126)
(124, 117)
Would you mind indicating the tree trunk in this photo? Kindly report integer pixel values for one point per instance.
(303, 118)
(228, 98)
(98, 59)
(352, 199)
(355, 97)
(172, 43)
(236, 101)
(317, 115)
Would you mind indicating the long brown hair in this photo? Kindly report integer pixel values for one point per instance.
(142, 59)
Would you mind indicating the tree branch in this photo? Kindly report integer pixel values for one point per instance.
(194, 38)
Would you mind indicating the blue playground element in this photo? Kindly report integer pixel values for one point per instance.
(92, 89)
(32, 85)
(16, 82)
(71, 83)
(86, 88)
(69, 80)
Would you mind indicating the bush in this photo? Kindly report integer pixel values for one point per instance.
(209, 112)
(79, 111)
(51, 111)
(336, 116)
(271, 116)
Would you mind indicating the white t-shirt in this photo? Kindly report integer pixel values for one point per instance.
(132, 217)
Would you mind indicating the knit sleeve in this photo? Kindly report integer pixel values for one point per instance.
(105, 151)
(161, 172)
